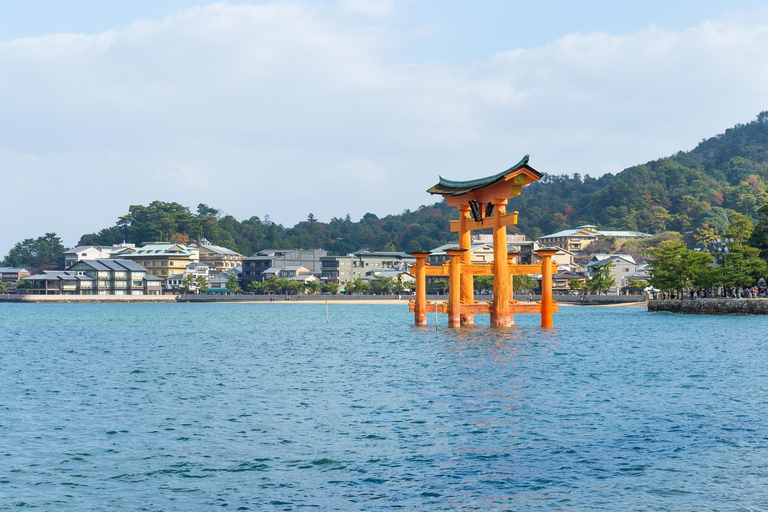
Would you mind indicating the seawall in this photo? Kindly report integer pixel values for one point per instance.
(53, 299)
(711, 306)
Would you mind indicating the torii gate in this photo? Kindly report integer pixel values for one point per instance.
(482, 204)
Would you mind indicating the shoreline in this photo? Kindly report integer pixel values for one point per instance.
(171, 299)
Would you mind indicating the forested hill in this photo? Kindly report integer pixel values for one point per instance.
(722, 175)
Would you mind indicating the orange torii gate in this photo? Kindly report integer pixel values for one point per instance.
(482, 204)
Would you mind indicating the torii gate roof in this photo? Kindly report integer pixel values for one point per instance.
(448, 187)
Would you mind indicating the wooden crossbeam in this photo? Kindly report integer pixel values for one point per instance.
(510, 219)
(476, 269)
(480, 308)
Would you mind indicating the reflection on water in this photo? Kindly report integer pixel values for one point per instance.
(268, 407)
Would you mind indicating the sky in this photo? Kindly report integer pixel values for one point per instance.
(286, 108)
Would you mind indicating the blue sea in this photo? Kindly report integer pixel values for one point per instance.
(187, 407)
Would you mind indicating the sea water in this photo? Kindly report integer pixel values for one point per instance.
(268, 407)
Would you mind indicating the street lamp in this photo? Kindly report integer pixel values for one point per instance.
(721, 246)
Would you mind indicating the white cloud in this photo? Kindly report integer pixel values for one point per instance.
(253, 108)
(371, 8)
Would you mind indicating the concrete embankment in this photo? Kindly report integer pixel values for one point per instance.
(589, 300)
(55, 299)
(711, 306)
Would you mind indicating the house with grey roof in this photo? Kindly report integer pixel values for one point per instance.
(161, 260)
(92, 252)
(95, 277)
(220, 258)
(623, 265)
(11, 275)
(345, 269)
(259, 267)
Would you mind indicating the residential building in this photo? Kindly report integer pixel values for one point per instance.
(255, 267)
(561, 281)
(337, 269)
(220, 258)
(345, 269)
(96, 277)
(216, 281)
(623, 266)
(578, 239)
(92, 252)
(59, 282)
(161, 260)
(482, 252)
(400, 275)
(11, 275)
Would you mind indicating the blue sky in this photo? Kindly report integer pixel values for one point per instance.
(349, 106)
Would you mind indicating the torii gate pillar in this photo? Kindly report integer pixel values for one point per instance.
(420, 302)
(500, 311)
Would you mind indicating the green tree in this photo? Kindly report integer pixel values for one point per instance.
(255, 287)
(439, 286)
(187, 282)
(601, 279)
(400, 285)
(3, 287)
(356, 286)
(741, 228)
(759, 236)
(36, 254)
(524, 283)
(313, 287)
(271, 285)
(332, 288)
(293, 287)
(674, 267)
(232, 285)
(201, 283)
(575, 285)
(381, 285)
(484, 283)
(638, 284)
(743, 267)
(284, 284)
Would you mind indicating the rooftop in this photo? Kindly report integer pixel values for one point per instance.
(457, 188)
(119, 265)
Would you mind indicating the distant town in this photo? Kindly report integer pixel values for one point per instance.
(161, 268)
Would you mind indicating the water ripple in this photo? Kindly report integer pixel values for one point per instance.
(267, 407)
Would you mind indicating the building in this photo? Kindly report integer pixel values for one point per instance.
(11, 275)
(345, 269)
(399, 275)
(577, 239)
(255, 267)
(623, 266)
(92, 252)
(161, 260)
(482, 252)
(95, 277)
(174, 283)
(220, 258)
(337, 269)
(561, 281)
